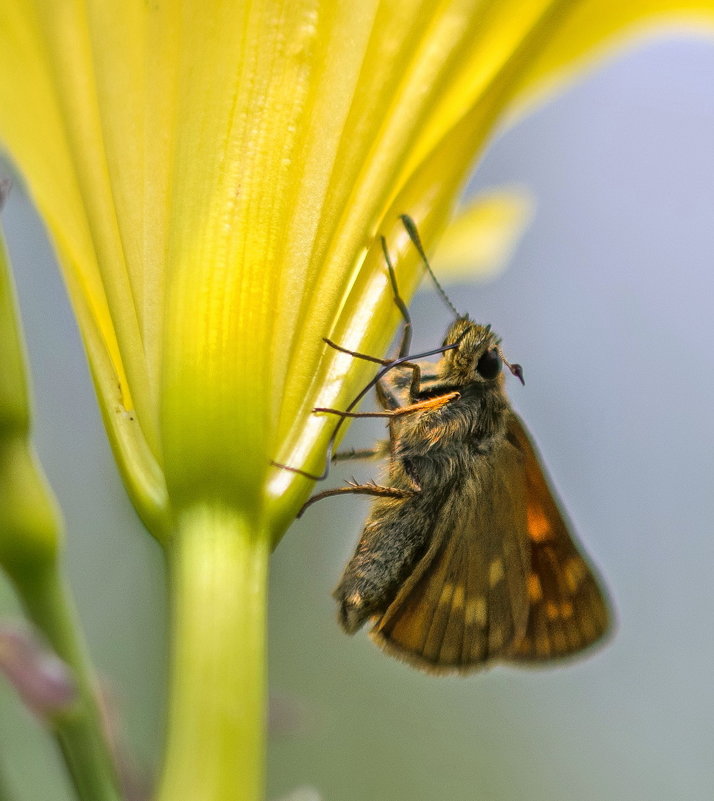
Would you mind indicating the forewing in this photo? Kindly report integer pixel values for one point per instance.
(465, 602)
(568, 610)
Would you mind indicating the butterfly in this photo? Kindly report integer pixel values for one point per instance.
(466, 557)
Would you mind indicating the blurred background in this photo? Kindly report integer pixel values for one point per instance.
(608, 303)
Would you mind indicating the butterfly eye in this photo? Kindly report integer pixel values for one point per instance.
(489, 365)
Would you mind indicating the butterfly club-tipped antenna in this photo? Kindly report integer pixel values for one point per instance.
(411, 229)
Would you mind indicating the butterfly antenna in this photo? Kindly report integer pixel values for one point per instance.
(411, 229)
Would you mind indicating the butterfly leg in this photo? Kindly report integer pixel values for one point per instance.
(358, 489)
(392, 403)
(356, 354)
(379, 451)
(419, 406)
(400, 304)
(388, 397)
(375, 489)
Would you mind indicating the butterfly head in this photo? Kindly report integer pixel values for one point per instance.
(477, 356)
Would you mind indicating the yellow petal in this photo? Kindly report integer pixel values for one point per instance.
(593, 30)
(215, 178)
(480, 239)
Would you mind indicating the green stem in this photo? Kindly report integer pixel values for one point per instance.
(216, 729)
(4, 791)
(78, 732)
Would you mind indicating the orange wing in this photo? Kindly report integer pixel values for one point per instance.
(466, 601)
(568, 609)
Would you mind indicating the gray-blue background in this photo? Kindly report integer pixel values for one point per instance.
(608, 305)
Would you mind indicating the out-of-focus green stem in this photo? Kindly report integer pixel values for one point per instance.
(4, 789)
(30, 544)
(78, 731)
(216, 727)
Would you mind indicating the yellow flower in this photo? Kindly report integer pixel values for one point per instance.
(215, 177)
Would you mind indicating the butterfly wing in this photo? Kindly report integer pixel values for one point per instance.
(568, 610)
(466, 601)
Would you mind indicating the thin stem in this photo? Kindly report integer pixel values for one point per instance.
(216, 729)
(79, 732)
(4, 788)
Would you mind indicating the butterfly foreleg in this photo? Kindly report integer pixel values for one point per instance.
(380, 450)
(391, 392)
(420, 406)
(356, 354)
(400, 304)
(352, 488)
(387, 390)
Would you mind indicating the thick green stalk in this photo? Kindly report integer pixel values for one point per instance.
(216, 727)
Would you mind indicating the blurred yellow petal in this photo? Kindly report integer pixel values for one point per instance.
(214, 178)
(479, 241)
(596, 29)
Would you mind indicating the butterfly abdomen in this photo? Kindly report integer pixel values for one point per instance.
(380, 563)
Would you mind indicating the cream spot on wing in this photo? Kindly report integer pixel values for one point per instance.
(457, 599)
(566, 609)
(535, 588)
(495, 572)
(447, 589)
(476, 612)
(574, 570)
(552, 610)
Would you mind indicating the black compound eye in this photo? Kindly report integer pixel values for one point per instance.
(489, 365)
